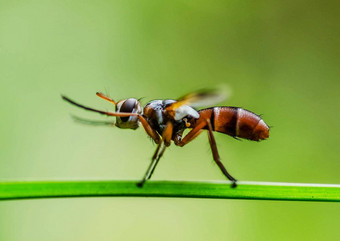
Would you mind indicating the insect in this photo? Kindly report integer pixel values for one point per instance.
(165, 121)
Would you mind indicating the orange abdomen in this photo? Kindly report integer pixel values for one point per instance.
(235, 122)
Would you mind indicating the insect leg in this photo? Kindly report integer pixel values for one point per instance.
(167, 134)
(87, 108)
(166, 137)
(119, 114)
(151, 166)
(216, 156)
(151, 132)
(166, 140)
(159, 157)
(191, 135)
(92, 122)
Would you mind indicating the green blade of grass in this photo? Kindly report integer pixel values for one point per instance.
(223, 190)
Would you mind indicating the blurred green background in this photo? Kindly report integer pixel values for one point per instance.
(280, 59)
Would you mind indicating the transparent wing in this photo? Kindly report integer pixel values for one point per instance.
(184, 105)
(208, 97)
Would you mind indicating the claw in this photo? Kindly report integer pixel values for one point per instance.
(140, 184)
(233, 184)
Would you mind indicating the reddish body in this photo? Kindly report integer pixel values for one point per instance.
(234, 121)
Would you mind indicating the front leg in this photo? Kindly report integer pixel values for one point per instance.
(152, 166)
(151, 132)
(166, 140)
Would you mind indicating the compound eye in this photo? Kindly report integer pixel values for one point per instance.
(129, 106)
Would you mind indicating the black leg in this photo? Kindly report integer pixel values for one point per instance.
(92, 122)
(154, 166)
(166, 140)
(151, 167)
(151, 132)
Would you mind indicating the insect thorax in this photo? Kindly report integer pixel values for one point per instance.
(156, 114)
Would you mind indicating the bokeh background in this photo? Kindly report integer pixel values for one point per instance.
(280, 59)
